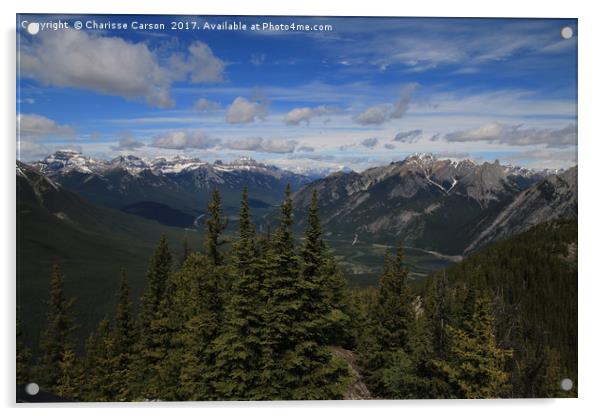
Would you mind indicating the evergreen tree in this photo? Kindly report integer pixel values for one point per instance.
(122, 342)
(296, 365)
(476, 365)
(109, 353)
(394, 311)
(158, 272)
(245, 250)
(282, 266)
(238, 350)
(57, 338)
(153, 339)
(70, 379)
(215, 226)
(98, 366)
(123, 328)
(386, 353)
(437, 315)
(23, 355)
(321, 287)
(185, 251)
(313, 250)
(189, 323)
(281, 271)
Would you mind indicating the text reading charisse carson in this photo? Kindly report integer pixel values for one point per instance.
(176, 25)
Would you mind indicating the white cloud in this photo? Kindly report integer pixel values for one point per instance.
(497, 104)
(109, 65)
(517, 135)
(184, 140)
(400, 107)
(203, 104)
(369, 143)
(199, 66)
(408, 136)
(112, 65)
(128, 142)
(543, 158)
(423, 45)
(245, 111)
(35, 126)
(259, 144)
(33, 129)
(305, 114)
(278, 146)
(247, 143)
(379, 114)
(373, 115)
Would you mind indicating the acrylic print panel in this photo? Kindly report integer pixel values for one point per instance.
(283, 208)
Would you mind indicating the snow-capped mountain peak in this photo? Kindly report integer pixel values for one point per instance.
(175, 164)
(70, 160)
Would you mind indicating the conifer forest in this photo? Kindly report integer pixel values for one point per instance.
(269, 316)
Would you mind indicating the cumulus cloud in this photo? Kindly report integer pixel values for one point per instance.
(184, 140)
(109, 65)
(203, 104)
(400, 107)
(35, 126)
(200, 65)
(389, 146)
(114, 66)
(29, 150)
(369, 143)
(248, 143)
(408, 136)
(517, 135)
(128, 142)
(305, 114)
(373, 115)
(278, 146)
(32, 129)
(380, 114)
(243, 110)
(259, 144)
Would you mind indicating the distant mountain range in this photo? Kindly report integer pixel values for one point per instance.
(449, 206)
(178, 183)
(91, 243)
(94, 217)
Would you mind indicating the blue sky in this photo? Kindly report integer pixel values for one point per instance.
(365, 93)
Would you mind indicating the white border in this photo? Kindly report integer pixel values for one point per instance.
(590, 175)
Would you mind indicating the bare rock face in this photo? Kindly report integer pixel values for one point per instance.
(553, 198)
(435, 204)
(357, 390)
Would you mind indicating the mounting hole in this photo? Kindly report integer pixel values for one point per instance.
(33, 28)
(566, 32)
(566, 384)
(32, 389)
